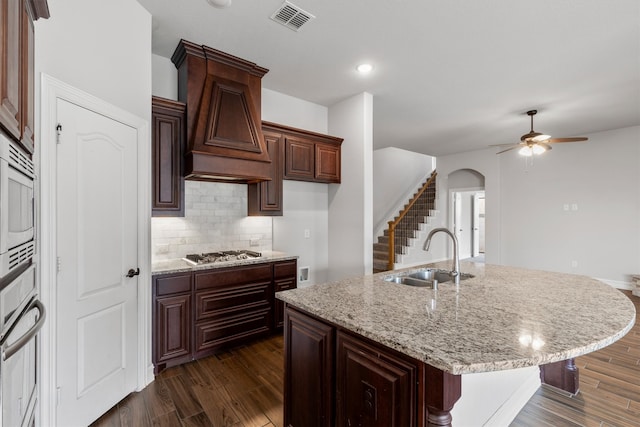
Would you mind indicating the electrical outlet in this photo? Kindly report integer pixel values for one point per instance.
(574, 264)
(566, 206)
(307, 233)
(574, 207)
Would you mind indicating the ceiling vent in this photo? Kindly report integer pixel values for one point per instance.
(291, 16)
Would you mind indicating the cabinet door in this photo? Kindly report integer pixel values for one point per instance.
(265, 198)
(173, 327)
(299, 159)
(172, 320)
(10, 65)
(308, 367)
(373, 386)
(167, 157)
(27, 83)
(327, 163)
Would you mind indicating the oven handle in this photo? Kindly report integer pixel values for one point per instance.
(10, 350)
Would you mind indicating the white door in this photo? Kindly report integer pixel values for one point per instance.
(476, 224)
(96, 246)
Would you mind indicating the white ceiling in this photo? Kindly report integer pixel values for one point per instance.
(450, 75)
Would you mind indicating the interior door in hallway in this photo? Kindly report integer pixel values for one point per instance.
(97, 244)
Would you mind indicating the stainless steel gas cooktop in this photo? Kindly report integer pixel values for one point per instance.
(221, 256)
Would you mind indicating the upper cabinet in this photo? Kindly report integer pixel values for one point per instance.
(16, 67)
(223, 98)
(167, 137)
(311, 156)
(296, 154)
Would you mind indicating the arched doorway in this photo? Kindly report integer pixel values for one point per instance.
(467, 212)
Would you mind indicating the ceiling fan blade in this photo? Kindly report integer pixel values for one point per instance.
(505, 145)
(545, 145)
(573, 139)
(509, 149)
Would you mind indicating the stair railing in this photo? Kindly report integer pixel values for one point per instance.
(402, 218)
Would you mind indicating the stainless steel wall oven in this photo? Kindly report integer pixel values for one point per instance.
(16, 206)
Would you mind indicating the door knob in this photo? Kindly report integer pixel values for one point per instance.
(133, 272)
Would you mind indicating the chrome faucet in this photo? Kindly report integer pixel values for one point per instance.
(455, 270)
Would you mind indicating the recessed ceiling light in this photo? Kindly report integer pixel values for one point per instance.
(364, 68)
(220, 4)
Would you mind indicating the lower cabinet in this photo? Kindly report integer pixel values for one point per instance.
(309, 371)
(232, 305)
(196, 314)
(171, 320)
(336, 378)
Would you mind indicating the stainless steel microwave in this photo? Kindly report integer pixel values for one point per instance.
(16, 206)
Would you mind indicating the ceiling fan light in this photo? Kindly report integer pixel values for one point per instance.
(526, 151)
(538, 149)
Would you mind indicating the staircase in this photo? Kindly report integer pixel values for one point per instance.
(405, 227)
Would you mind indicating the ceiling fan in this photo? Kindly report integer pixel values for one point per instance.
(535, 142)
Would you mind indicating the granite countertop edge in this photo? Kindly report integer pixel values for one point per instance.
(427, 337)
(179, 265)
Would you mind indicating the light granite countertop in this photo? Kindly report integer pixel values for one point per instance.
(180, 265)
(503, 318)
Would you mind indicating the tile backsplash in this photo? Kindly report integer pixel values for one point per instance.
(215, 219)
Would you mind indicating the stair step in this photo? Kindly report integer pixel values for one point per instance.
(382, 247)
(380, 255)
(383, 240)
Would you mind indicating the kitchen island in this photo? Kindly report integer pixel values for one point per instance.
(381, 353)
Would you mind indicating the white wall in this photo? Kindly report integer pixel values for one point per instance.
(305, 204)
(351, 202)
(397, 175)
(601, 179)
(526, 221)
(488, 164)
(103, 48)
(164, 77)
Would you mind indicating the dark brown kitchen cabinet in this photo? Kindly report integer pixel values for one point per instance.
(172, 319)
(265, 198)
(336, 377)
(16, 67)
(284, 278)
(232, 306)
(310, 156)
(11, 79)
(167, 135)
(309, 371)
(374, 387)
(196, 314)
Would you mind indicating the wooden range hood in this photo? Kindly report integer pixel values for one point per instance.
(223, 98)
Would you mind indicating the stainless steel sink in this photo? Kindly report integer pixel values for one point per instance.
(428, 278)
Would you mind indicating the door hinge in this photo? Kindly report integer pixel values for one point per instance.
(58, 133)
(58, 264)
(57, 396)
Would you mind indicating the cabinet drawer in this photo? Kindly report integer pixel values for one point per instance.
(231, 330)
(173, 284)
(233, 276)
(227, 301)
(283, 285)
(284, 269)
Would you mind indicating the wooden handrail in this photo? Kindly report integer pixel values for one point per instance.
(393, 224)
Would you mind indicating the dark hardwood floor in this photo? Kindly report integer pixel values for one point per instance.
(243, 387)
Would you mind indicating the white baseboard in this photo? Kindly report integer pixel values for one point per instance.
(618, 284)
(510, 409)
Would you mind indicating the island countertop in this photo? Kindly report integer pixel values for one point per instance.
(503, 318)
